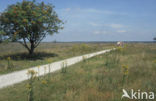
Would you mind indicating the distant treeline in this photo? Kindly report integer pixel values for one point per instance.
(106, 42)
(97, 42)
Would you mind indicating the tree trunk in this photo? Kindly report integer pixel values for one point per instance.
(32, 48)
(31, 51)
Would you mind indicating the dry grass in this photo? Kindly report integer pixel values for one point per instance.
(97, 79)
(45, 53)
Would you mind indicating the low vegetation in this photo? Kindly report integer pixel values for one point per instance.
(100, 78)
(14, 57)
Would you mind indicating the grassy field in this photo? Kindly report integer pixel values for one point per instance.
(100, 78)
(13, 56)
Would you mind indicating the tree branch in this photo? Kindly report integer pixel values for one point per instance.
(40, 41)
(24, 44)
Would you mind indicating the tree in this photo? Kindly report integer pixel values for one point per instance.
(2, 38)
(28, 23)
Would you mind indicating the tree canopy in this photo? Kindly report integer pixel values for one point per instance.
(29, 22)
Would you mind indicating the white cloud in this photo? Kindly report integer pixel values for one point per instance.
(121, 31)
(97, 11)
(94, 24)
(100, 32)
(113, 25)
(67, 9)
(64, 10)
(116, 25)
(86, 10)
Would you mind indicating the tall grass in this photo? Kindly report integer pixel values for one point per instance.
(94, 80)
(46, 51)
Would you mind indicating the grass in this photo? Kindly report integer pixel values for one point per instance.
(97, 79)
(45, 53)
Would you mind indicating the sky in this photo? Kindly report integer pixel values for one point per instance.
(102, 20)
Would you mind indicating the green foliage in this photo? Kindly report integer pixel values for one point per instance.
(29, 21)
(64, 67)
(112, 60)
(84, 58)
(2, 36)
(10, 65)
(29, 86)
(82, 48)
(125, 73)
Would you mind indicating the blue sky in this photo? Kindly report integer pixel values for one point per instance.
(103, 20)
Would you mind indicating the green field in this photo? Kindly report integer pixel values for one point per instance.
(45, 53)
(100, 78)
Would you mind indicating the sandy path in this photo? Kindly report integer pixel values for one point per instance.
(19, 76)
